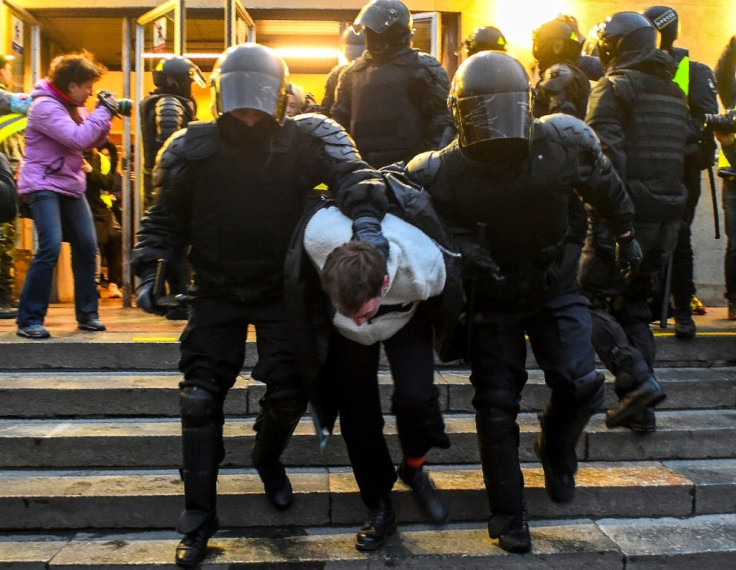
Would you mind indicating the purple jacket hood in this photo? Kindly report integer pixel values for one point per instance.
(55, 143)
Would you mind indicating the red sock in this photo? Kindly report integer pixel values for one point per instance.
(414, 462)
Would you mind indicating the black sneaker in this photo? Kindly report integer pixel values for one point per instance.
(193, 547)
(558, 481)
(425, 493)
(378, 528)
(36, 332)
(93, 325)
(647, 395)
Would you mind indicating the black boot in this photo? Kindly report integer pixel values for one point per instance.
(559, 482)
(193, 547)
(425, 493)
(512, 531)
(277, 486)
(684, 323)
(645, 422)
(378, 528)
(647, 394)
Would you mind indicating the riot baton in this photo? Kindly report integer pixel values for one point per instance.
(714, 198)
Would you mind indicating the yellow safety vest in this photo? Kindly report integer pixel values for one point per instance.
(12, 124)
(682, 75)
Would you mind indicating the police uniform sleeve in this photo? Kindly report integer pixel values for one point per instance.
(162, 234)
(429, 89)
(357, 188)
(702, 100)
(725, 72)
(170, 116)
(595, 180)
(606, 116)
(8, 195)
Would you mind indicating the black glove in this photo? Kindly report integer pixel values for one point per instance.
(628, 255)
(144, 295)
(478, 263)
(368, 230)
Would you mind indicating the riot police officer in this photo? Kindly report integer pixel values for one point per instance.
(352, 45)
(391, 99)
(699, 85)
(497, 180)
(483, 39)
(641, 119)
(232, 190)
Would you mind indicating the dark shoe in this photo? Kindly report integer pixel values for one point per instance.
(193, 547)
(178, 314)
(559, 481)
(646, 422)
(732, 309)
(94, 325)
(378, 528)
(684, 325)
(425, 493)
(8, 310)
(632, 404)
(35, 332)
(277, 486)
(514, 537)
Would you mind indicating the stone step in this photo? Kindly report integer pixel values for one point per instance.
(157, 351)
(155, 443)
(126, 394)
(60, 500)
(697, 543)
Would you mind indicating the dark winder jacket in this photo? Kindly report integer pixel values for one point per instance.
(522, 215)
(236, 201)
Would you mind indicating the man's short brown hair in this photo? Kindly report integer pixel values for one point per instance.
(74, 68)
(353, 274)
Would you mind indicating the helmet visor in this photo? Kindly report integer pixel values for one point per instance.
(377, 18)
(250, 90)
(196, 76)
(495, 116)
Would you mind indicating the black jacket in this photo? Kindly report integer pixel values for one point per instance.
(233, 198)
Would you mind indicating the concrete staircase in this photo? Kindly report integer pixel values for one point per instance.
(90, 449)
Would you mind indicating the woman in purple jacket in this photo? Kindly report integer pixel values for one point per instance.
(52, 180)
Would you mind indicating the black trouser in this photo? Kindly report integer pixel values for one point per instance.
(682, 284)
(559, 332)
(212, 356)
(621, 310)
(8, 235)
(415, 403)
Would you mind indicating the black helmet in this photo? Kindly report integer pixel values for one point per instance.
(249, 76)
(352, 43)
(388, 25)
(483, 39)
(666, 21)
(625, 32)
(556, 41)
(175, 75)
(491, 101)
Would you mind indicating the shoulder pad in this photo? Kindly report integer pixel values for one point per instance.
(622, 87)
(426, 59)
(568, 130)
(356, 65)
(202, 139)
(423, 168)
(336, 140)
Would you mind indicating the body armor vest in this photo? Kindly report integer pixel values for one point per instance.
(161, 116)
(385, 122)
(656, 125)
(244, 205)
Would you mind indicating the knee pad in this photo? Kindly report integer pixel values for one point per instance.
(199, 407)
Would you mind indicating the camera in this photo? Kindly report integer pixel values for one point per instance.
(116, 106)
(725, 123)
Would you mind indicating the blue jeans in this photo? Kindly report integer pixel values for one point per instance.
(56, 216)
(728, 191)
